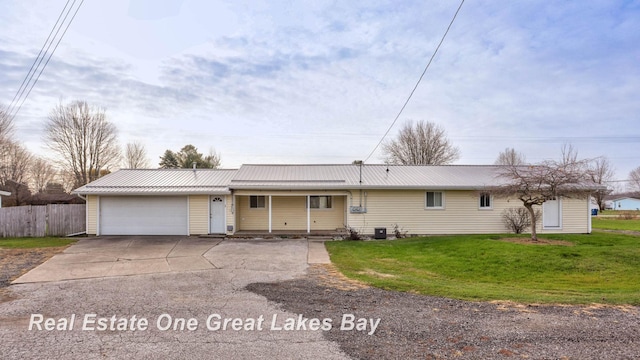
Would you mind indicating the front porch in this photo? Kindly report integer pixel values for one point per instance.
(290, 214)
(324, 234)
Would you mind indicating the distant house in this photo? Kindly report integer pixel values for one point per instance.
(3, 193)
(274, 199)
(626, 203)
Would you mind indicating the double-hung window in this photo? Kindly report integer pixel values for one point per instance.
(486, 202)
(320, 202)
(434, 200)
(256, 202)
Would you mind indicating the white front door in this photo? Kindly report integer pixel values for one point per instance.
(552, 214)
(217, 215)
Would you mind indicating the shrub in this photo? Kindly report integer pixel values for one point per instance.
(399, 232)
(518, 219)
(353, 233)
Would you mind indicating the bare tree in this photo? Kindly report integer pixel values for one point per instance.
(601, 172)
(42, 173)
(135, 156)
(424, 143)
(84, 140)
(510, 157)
(6, 130)
(15, 163)
(569, 154)
(6, 126)
(634, 179)
(214, 158)
(548, 180)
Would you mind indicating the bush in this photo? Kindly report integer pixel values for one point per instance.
(399, 232)
(517, 220)
(353, 234)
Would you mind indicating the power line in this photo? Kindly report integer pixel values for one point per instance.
(50, 55)
(417, 83)
(20, 89)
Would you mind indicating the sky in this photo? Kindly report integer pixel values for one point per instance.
(310, 82)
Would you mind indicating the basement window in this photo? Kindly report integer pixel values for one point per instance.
(256, 202)
(434, 200)
(320, 202)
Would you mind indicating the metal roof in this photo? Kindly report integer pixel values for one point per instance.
(160, 181)
(293, 177)
(373, 177)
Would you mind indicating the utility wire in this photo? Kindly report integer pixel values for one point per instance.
(24, 81)
(51, 54)
(418, 83)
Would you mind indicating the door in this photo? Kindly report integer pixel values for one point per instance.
(217, 215)
(551, 214)
(143, 215)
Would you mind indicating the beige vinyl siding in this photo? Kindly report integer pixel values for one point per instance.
(289, 213)
(230, 209)
(329, 219)
(92, 214)
(461, 213)
(198, 214)
(575, 217)
(251, 219)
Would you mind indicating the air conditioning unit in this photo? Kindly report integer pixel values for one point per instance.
(357, 209)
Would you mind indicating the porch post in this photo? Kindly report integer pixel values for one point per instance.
(269, 213)
(308, 214)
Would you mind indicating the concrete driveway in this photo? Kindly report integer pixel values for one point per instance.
(135, 255)
(167, 298)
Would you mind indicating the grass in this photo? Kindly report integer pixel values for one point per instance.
(598, 268)
(29, 243)
(615, 224)
(617, 212)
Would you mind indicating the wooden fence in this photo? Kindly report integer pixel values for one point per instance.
(39, 221)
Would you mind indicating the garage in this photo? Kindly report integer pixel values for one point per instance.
(143, 215)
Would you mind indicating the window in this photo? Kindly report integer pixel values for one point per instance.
(320, 202)
(256, 202)
(485, 201)
(434, 200)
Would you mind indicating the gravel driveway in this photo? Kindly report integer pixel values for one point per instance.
(268, 279)
(424, 327)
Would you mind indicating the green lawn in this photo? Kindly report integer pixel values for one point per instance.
(28, 243)
(598, 268)
(615, 223)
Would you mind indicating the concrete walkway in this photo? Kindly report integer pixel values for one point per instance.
(137, 255)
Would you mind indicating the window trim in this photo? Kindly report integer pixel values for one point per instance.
(330, 202)
(258, 207)
(442, 200)
(480, 206)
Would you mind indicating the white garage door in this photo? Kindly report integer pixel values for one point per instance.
(143, 215)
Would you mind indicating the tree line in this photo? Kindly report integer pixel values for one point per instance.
(83, 146)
